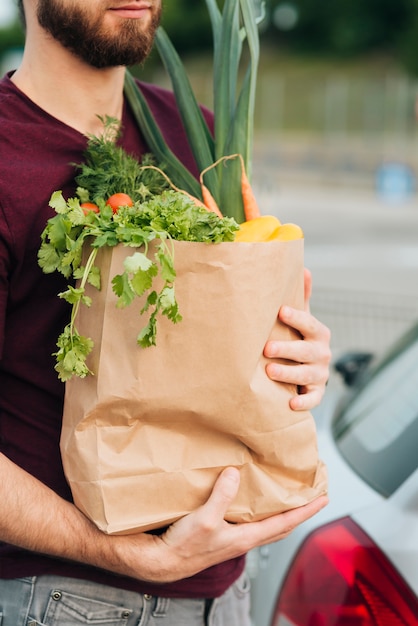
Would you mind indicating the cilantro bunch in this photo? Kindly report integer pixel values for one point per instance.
(169, 215)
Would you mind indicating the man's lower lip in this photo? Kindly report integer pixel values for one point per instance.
(131, 13)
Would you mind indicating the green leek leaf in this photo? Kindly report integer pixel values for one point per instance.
(234, 104)
(199, 136)
(155, 140)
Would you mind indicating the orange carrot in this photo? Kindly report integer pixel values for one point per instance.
(251, 210)
(250, 206)
(209, 201)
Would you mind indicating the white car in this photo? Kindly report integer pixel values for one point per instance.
(356, 562)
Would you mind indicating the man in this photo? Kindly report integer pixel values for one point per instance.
(56, 567)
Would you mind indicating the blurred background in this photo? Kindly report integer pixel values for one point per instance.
(336, 130)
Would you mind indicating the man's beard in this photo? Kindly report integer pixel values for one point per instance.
(85, 36)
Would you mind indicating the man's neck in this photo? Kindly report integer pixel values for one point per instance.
(68, 89)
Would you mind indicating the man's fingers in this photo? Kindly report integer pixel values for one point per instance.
(307, 399)
(288, 521)
(302, 321)
(223, 493)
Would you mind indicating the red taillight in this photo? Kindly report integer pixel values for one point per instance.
(340, 578)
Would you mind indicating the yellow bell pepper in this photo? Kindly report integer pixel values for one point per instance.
(264, 228)
(287, 232)
(267, 228)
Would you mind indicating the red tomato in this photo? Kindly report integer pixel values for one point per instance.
(118, 200)
(89, 206)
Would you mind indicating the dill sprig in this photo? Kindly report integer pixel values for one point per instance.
(107, 168)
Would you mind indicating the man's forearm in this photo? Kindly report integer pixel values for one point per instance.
(33, 517)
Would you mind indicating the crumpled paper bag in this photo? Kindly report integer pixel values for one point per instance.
(144, 439)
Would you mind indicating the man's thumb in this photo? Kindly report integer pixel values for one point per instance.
(224, 492)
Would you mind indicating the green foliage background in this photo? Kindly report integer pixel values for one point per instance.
(326, 28)
(333, 28)
(11, 37)
(349, 28)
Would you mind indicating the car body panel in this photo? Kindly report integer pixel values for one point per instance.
(389, 519)
(393, 525)
(347, 492)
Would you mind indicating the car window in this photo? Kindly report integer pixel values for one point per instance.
(377, 432)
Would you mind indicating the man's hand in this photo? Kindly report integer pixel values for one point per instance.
(311, 353)
(203, 538)
(35, 518)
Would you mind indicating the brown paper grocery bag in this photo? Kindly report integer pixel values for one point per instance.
(145, 438)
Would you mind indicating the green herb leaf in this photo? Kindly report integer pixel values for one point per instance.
(58, 203)
(123, 289)
(141, 281)
(168, 273)
(136, 262)
(169, 306)
(48, 258)
(72, 295)
(146, 337)
(72, 354)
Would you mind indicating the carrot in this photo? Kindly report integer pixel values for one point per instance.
(209, 201)
(251, 210)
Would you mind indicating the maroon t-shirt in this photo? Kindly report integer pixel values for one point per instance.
(36, 152)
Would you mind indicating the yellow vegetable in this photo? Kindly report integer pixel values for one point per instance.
(287, 232)
(264, 228)
(267, 228)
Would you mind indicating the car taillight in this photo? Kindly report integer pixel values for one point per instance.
(341, 578)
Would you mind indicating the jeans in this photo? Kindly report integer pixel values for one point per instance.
(54, 601)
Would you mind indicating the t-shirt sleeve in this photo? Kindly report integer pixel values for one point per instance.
(5, 246)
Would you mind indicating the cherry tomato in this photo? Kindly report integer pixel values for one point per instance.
(89, 206)
(118, 200)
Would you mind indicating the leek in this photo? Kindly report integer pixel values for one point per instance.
(234, 105)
